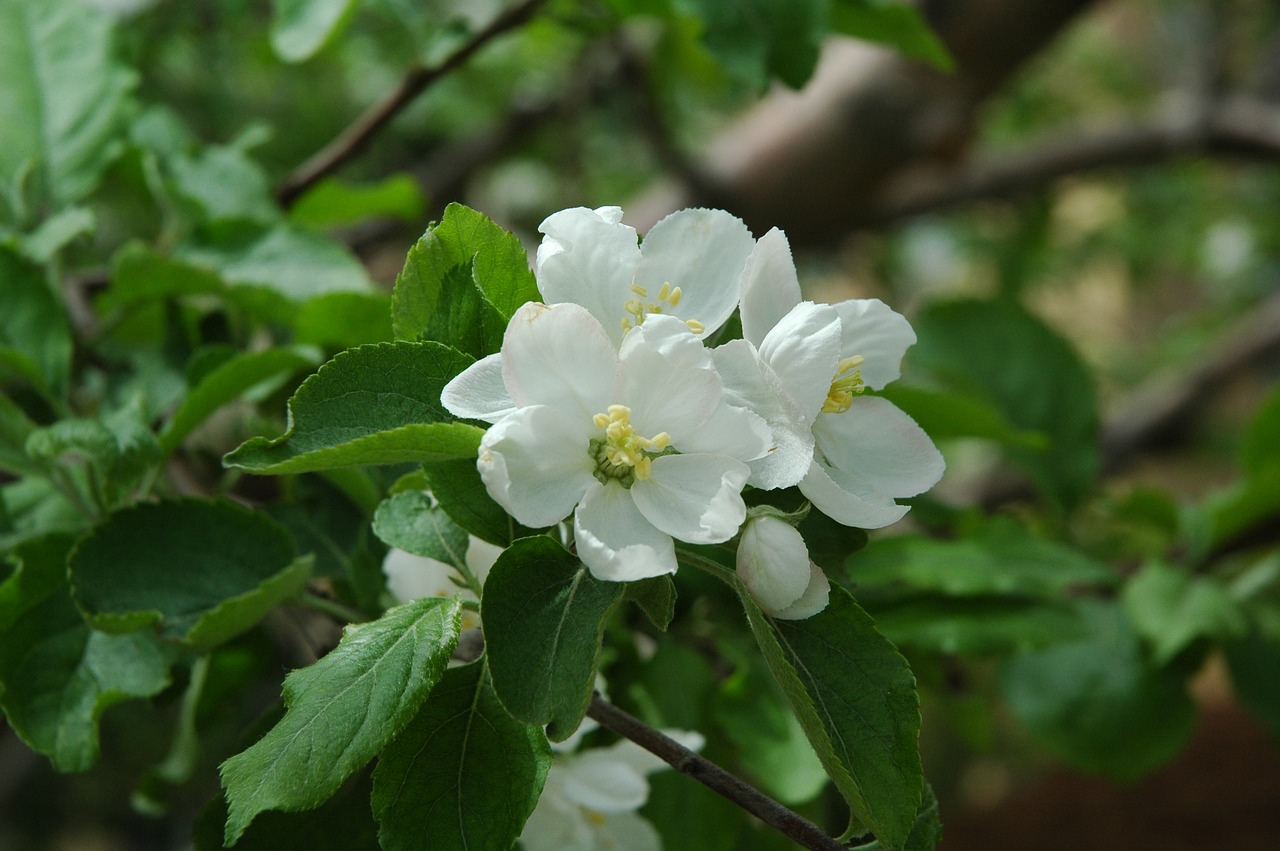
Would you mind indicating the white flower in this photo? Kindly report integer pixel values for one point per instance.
(866, 452)
(689, 266)
(773, 562)
(639, 440)
(412, 577)
(590, 800)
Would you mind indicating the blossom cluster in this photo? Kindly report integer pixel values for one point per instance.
(607, 403)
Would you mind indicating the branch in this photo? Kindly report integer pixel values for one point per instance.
(351, 141)
(715, 778)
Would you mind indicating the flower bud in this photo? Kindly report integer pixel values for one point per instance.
(773, 562)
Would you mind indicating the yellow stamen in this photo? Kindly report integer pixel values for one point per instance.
(623, 455)
(638, 308)
(845, 384)
(642, 292)
(695, 326)
(664, 291)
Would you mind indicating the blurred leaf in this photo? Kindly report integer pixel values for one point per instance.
(15, 428)
(344, 320)
(464, 774)
(949, 415)
(1260, 450)
(856, 699)
(759, 39)
(236, 565)
(301, 28)
(225, 185)
(35, 339)
(1254, 660)
(58, 231)
(63, 94)
(1170, 608)
(1251, 503)
(1097, 702)
(543, 615)
(978, 626)
(409, 521)
(656, 597)
(690, 817)
(378, 404)
(344, 821)
(334, 202)
(343, 710)
(894, 23)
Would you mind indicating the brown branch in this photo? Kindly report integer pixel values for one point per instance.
(351, 141)
(789, 823)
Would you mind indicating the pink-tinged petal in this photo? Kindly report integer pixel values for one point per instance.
(702, 252)
(615, 541)
(814, 599)
(596, 780)
(770, 288)
(803, 350)
(536, 464)
(881, 445)
(559, 356)
(479, 392)
(694, 498)
(668, 379)
(733, 431)
(750, 383)
(870, 328)
(845, 503)
(589, 257)
(773, 562)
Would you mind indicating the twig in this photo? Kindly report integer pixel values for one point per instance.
(789, 823)
(351, 141)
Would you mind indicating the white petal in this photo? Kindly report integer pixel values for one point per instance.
(803, 350)
(694, 498)
(626, 832)
(872, 329)
(536, 465)
(703, 253)
(559, 356)
(750, 384)
(615, 541)
(589, 258)
(671, 386)
(837, 500)
(773, 562)
(479, 392)
(881, 445)
(813, 600)
(412, 577)
(733, 431)
(557, 824)
(770, 287)
(642, 761)
(595, 780)
(481, 556)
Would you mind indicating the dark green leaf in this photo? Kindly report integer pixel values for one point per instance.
(301, 28)
(1170, 608)
(15, 428)
(343, 710)
(656, 597)
(1254, 661)
(458, 488)
(200, 572)
(338, 203)
(378, 404)
(690, 817)
(896, 24)
(926, 833)
(1261, 447)
(463, 775)
(35, 340)
(978, 626)
(757, 39)
(409, 521)
(343, 822)
(543, 617)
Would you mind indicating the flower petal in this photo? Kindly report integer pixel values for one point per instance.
(536, 465)
(596, 780)
(479, 392)
(773, 562)
(770, 287)
(642, 761)
(814, 599)
(881, 445)
(668, 379)
(412, 577)
(694, 498)
(703, 253)
(803, 350)
(559, 356)
(625, 832)
(615, 541)
(589, 258)
(864, 509)
(733, 431)
(870, 328)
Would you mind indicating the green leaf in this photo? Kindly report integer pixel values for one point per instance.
(409, 521)
(1260, 449)
(1097, 703)
(690, 817)
(543, 616)
(57, 675)
(378, 404)
(235, 566)
(896, 24)
(225, 185)
(58, 231)
(978, 626)
(457, 486)
(1171, 608)
(926, 833)
(15, 428)
(35, 339)
(230, 380)
(465, 246)
(343, 710)
(856, 699)
(998, 352)
(463, 775)
(656, 597)
(301, 28)
(1253, 660)
(343, 822)
(344, 320)
(950, 415)
(757, 39)
(334, 202)
(64, 94)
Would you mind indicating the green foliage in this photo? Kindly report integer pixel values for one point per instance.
(334, 202)
(303, 27)
(1170, 608)
(409, 521)
(35, 342)
(892, 23)
(456, 485)
(344, 821)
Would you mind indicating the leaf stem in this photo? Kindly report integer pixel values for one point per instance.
(788, 822)
(338, 611)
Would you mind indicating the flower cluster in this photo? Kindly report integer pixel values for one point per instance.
(607, 404)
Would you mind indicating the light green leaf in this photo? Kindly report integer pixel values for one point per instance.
(344, 320)
(894, 23)
(63, 95)
(463, 775)
(35, 339)
(57, 675)
(946, 414)
(409, 521)
(57, 231)
(978, 626)
(543, 616)
(856, 699)
(225, 185)
(378, 404)
(1171, 608)
(235, 566)
(334, 202)
(343, 710)
(230, 380)
(301, 28)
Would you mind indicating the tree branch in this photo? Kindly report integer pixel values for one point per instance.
(715, 778)
(351, 141)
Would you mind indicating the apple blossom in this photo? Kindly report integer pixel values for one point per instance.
(773, 562)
